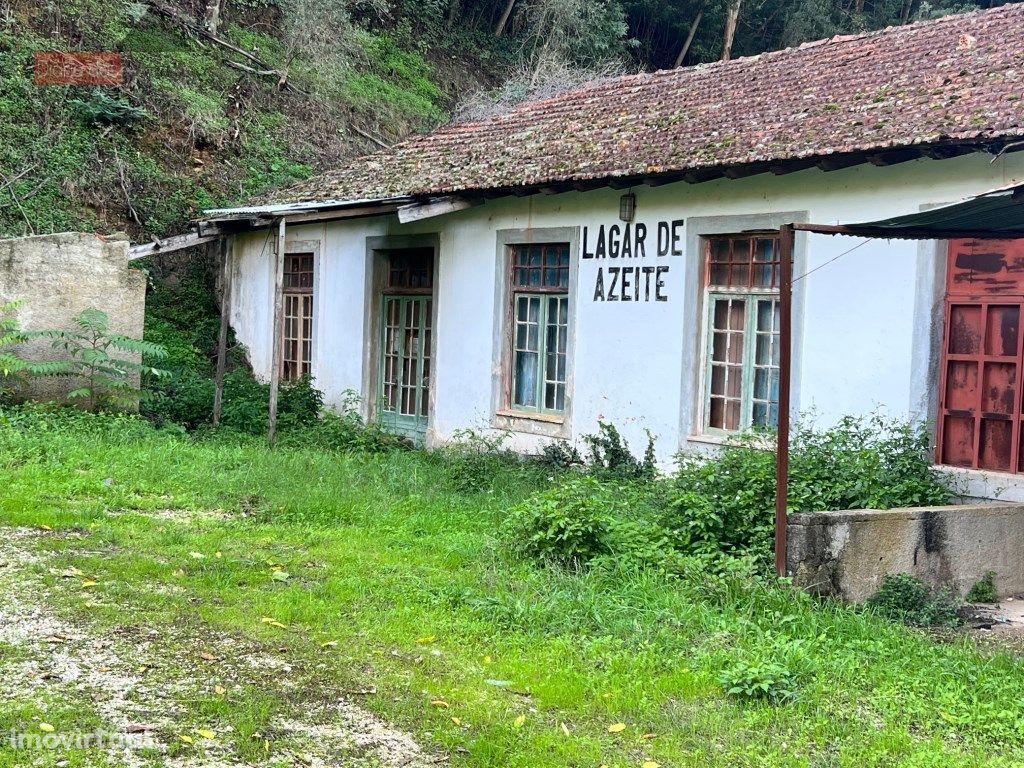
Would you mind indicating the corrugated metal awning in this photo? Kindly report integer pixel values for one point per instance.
(996, 214)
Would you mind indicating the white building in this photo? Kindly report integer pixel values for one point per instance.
(607, 254)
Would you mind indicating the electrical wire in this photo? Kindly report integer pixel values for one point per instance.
(834, 258)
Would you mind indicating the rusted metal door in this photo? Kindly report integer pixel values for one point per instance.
(983, 350)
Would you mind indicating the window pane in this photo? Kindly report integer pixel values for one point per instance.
(525, 380)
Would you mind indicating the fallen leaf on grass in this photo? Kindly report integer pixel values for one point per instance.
(329, 644)
(178, 572)
(89, 583)
(70, 573)
(426, 639)
(220, 690)
(651, 764)
(273, 622)
(46, 728)
(616, 727)
(206, 733)
(46, 527)
(518, 722)
(440, 703)
(456, 721)
(649, 736)
(218, 555)
(196, 555)
(280, 576)
(565, 729)
(187, 739)
(136, 728)
(207, 656)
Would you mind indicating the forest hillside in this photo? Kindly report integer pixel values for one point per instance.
(221, 99)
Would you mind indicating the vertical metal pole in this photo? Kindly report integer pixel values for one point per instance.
(225, 321)
(278, 346)
(785, 377)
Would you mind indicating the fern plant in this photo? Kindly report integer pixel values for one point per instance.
(15, 370)
(107, 379)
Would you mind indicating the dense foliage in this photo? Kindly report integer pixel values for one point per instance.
(722, 504)
(195, 124)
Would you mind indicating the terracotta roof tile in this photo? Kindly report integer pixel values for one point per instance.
(957, 79)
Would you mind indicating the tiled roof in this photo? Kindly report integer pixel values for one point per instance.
(956, 79)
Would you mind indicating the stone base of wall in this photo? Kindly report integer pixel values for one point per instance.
(58, 276)
(847, 554)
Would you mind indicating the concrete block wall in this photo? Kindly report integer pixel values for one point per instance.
(58, 276)
(848, 554)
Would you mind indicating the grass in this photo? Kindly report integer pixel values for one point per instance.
(408, 577)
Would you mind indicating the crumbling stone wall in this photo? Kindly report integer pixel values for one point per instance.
(848, 554)
(58, 276)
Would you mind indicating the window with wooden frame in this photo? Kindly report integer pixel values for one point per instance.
(297, 320)
(741, 337)
(981, 411)
(407, 337)
(539, 326)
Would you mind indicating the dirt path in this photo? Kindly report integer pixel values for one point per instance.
(137, 683)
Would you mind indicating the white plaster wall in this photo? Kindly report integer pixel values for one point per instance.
(855, 337)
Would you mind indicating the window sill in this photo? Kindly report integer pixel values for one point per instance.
(530, 416)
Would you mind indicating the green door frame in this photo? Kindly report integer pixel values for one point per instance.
(414, 424)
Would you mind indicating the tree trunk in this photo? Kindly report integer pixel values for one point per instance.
(212, 21)
(732, 15)
(858, 6)
(689, 39)
(498, 30)
(454, 11)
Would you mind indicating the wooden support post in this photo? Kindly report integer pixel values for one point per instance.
(278, 347)
(785, 378)
(225, 321)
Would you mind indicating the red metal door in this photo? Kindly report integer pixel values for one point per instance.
(980, 403)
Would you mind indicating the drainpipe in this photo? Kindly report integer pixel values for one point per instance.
(276, 330)
(785, 378)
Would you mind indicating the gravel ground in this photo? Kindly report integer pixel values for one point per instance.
(137, 680)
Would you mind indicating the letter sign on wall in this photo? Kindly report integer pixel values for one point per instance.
(632, 282)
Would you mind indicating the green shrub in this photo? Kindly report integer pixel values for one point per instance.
(610, 454)
(906, 598)
(583, 519)
(984, 590)
(99, 107)
(758, 680)
(559, 455)
(14, 369)
(474, 461)
(101, 361)
(725, 502)
(341, 432)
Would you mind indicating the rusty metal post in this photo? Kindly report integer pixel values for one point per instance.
(278, 345)
(785, 378)
(222, 337)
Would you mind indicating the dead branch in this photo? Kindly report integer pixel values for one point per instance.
(370, 136)
(124, 189)
(191, 26)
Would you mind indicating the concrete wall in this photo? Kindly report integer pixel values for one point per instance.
(865, 325)
(60, 275)
(848, 554)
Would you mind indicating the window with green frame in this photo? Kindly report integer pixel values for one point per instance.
(540, 327)
(741, 383)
